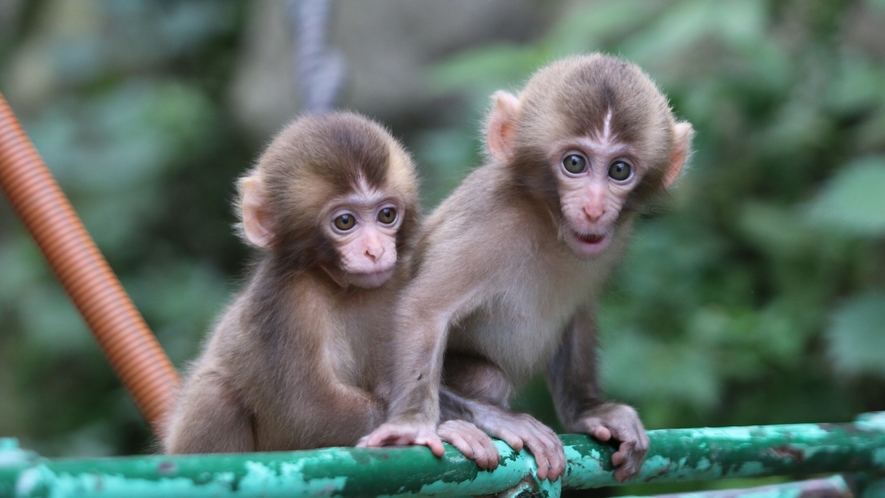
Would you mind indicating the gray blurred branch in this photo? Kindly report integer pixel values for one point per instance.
(320, 69)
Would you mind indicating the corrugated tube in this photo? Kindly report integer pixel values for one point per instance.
(119, 328)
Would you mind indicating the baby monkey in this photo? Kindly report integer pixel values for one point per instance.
(295, 361)
(508, 269)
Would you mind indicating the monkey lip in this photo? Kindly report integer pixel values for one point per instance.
(371, 280)
(588, 245)
(590, 238)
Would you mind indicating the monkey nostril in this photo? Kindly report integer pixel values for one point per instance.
(375, 253)
(594, 212)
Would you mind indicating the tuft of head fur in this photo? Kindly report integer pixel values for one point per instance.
(316, 158)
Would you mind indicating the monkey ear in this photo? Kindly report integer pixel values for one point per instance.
(502, 124)
(682, 135)
(256, 218)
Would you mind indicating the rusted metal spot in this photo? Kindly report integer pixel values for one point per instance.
(787, 451)
(167, 468)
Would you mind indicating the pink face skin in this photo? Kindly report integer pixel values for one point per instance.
(363, 229)
(595, 175)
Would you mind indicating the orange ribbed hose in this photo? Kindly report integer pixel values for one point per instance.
(119, 328)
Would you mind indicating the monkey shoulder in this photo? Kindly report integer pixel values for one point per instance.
(476, 214)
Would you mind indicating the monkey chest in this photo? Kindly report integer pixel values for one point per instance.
(518, 333)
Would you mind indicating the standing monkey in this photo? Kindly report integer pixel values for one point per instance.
(508, 269)
(294, 361)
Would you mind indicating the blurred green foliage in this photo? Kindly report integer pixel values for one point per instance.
(754, 294)
(136, 132)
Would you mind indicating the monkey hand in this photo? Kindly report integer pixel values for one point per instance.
(619, 422)
(471, 441)
(520, 430)
(404, 434)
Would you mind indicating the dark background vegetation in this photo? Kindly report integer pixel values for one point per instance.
(755, 294)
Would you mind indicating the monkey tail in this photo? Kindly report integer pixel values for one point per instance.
(121, 332)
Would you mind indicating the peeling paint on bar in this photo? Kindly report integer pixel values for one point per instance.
(874, 489)
(831, 487)
(675, 455)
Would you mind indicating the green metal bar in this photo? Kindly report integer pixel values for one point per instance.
(830, 487)
(675, 455)
(755, 451)
(870, 486)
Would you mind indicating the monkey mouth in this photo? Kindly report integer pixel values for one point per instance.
(590, 238)
(588, 245)
(371, 280)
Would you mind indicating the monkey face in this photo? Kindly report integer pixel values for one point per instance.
(594, 176)
(362, 227)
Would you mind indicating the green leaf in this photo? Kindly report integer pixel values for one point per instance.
(672, 371)
(854, 199)
(858, 85)
(775, 230)
(487, 69)
(856, 337)
(584, 30)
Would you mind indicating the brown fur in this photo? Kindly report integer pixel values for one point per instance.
(293, 363)
(497, 294)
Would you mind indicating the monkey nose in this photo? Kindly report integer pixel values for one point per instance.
(375, 252)
(594, 211)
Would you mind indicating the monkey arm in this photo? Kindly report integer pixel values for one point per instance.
(294, 368)
(317, 392)
(301, 403)
(572, 371)
(434, 299)
(573, 380)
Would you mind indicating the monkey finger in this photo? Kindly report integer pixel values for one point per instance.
(627, 471)
(460, 444)
(556, 463)
(597, 429)
(376, 439)
(404, 435)
(494, 458)
(555, 459)
(542, 463)
(624, 452)
(482, 449)
(432, 442)
(628, 460)
(543, 455)
(483, 458)
(509, 437)
(547, 438)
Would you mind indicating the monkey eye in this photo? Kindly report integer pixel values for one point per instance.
(574, 163)
(620, 171)
(387, 215)
(345, 222)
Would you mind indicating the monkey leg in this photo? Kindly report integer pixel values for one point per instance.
(209, 419)
(476, 390)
